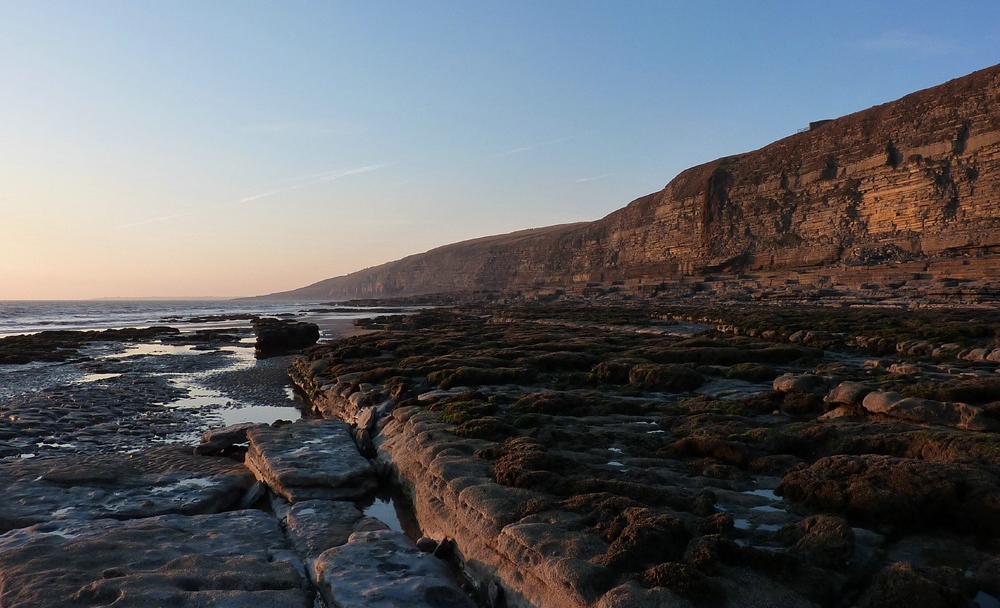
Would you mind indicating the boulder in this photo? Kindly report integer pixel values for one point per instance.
(903, 585)
(977, 354)
(848, 393)
(880, 402)
(667, 376)
(826, 541)
(277, 336)
(904, 369)
(800, 383)
(928, 411)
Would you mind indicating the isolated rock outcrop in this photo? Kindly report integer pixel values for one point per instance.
(277, 336)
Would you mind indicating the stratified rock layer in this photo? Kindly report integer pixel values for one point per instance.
(918, 178)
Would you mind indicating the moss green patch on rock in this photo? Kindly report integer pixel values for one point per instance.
(751, 372)
(667, 377)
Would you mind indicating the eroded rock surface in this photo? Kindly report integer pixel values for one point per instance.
(317, 525)
(158, 481)
(554, 445)
(384, 569)
(225, 559)
(314, 459)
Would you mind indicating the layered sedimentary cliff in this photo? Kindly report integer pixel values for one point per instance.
(918, 177)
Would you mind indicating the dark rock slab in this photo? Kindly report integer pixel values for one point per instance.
(216, 441)
(60, 345)
(314, 526)
(314, 459)
(384, 569)
(122, 486)
(232, 559)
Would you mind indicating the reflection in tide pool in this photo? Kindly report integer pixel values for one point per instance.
(264, 414)
(391, 507)
(384, 510)
(96, 378)
(764, 493)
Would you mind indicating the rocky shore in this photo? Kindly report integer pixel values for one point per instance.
(554, 455)
(604, 456)
(254, 515)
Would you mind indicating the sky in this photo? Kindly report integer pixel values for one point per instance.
(191, 149)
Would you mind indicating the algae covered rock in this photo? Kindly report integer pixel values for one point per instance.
(667, 376)
(899, 493)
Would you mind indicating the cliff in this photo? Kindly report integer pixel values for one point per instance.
(917, 178)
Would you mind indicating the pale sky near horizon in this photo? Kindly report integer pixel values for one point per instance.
(243, 148)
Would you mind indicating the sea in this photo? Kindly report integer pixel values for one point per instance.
(31, 316)
(207, 385)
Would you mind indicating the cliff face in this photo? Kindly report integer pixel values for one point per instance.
(916, 177)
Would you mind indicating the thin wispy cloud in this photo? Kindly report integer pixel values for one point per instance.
(537, 145)
(312, 180)
(898, 41)
(304, 128)
(302, 182)
(590, 179)
(158, 219)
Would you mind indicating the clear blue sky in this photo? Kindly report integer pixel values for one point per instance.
(239, 148)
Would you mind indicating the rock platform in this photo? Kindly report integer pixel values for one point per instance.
(582, 456)
(166, 527)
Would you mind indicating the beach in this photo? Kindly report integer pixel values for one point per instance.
(559, 454)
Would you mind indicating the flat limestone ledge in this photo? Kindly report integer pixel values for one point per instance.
(384, 569)
(314, 526)
(314, 459)
(158, 481)
(454, 494)
(232, 559)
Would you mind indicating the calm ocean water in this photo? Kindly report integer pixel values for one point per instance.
(21, 317)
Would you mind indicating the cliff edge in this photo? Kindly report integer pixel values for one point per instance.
(917, 178)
